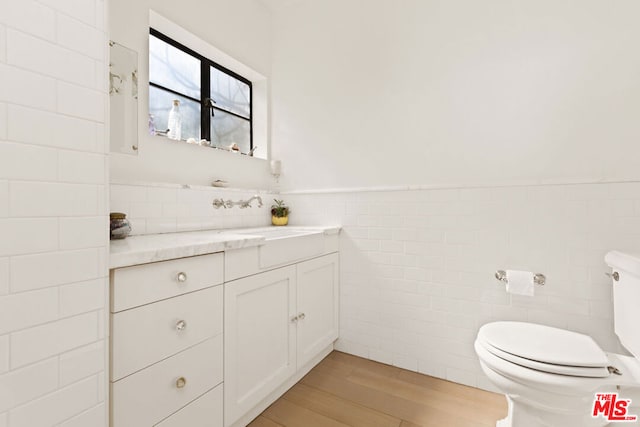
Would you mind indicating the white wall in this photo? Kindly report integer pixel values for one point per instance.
(53, 213)
(490, 102)
(371, 93)
(241, 29)
(417, 266)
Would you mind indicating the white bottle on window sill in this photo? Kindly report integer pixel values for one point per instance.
(175, 122)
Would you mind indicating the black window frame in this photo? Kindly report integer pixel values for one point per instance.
(205, 88)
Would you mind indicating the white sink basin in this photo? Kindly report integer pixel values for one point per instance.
(281, 246)
(279, 232)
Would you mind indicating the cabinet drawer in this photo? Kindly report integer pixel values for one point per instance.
(206, 411)
(149, 396)
(144, 335)
(276, 253)
(142, 284)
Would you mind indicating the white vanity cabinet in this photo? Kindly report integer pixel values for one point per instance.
(276, 322)
(166, 343)
(208, 329)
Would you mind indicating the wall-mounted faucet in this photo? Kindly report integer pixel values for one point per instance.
(221, 203)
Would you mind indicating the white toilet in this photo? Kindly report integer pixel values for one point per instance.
(550, 376)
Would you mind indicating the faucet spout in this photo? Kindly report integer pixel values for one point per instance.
(258, 198)
(247, 203)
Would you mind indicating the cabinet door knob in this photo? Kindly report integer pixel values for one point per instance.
(181, 325)
(181, 277)
(294, 319)
(181, 382)
(301, 316)
(615, 275)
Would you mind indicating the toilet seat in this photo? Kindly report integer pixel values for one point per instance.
(541, 380)
(575, 371)
(545, 349)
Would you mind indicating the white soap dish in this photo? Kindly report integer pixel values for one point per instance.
(220, 183)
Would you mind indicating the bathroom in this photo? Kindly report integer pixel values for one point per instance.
(446, 140)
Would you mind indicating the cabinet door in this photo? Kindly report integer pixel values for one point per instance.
(317, 306)
(259, 334)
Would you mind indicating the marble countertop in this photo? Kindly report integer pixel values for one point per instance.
(160, 247)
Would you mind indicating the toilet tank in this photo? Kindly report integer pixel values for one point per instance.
(626, 298)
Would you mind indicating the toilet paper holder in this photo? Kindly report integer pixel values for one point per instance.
(538, 278)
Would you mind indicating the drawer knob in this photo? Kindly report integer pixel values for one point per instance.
(181, 325)
(181, 382)
(181, 277)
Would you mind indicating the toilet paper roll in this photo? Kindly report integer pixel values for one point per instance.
(520, 282)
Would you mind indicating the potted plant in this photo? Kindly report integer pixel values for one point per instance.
(279, 213)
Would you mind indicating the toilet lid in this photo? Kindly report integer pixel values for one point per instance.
(543, 344)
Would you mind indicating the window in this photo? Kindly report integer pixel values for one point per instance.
(215, 103)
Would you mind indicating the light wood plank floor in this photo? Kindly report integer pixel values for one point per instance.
(345, 390)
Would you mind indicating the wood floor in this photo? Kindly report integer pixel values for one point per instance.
(345, 390)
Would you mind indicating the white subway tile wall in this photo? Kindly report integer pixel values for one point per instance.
(53, 213)
(35, 54)
(4, 276)
(29, 383)
(3, 52)
(54, 130)
(91, 417)
(3, 107)
(55, 408)
(417, 266)
(153, 209)
(15, 156)
(82, 363)
(4, 354)
(27, 88)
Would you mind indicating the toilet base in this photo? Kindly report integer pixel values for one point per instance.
(522, 414)
(505, 422)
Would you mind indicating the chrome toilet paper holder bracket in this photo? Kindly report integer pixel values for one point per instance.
(538, 278)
